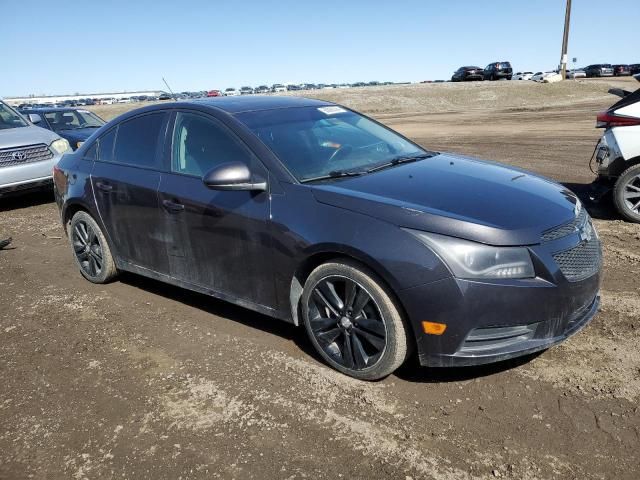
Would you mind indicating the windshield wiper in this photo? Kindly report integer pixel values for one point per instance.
(334, 174)
(403, 159)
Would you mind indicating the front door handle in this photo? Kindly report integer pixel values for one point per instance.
(105, 187)
(173, 206)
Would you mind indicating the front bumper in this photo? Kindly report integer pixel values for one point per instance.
(501, 319)
(27, 176)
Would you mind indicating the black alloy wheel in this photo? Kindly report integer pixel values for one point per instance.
(353, 320)
(90, 249)
(347, 322)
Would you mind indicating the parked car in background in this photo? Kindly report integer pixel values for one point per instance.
(498, 71)
(74, 125)
(262, 89)
(464, 74)
(165, 96)
(578, 73)
(231, 92)
(634, 68)
(293, 87)
(599, 70)
(246, 91)
(522, 76)
(214, 93)
(621, 70)
(309, 212)
(278, 87)
(547, 77)
(27, 153)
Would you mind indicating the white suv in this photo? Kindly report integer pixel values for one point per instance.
(27, 153)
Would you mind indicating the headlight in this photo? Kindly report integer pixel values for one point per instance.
(473, 260)
(60, 146)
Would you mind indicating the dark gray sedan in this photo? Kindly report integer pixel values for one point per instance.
(309, 212)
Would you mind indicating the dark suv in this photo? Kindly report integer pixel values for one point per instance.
(599, 70)
(467, 74)
(621, 70)
(498, 71)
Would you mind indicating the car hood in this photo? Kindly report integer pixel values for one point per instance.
(21, 136)
(77, 135)
(458, 196)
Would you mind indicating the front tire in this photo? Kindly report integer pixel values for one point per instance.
(626, 194)
(353, 320)
(90, 249)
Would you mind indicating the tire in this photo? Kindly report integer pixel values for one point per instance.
(90, 249)
(369, 342)
(628, 184)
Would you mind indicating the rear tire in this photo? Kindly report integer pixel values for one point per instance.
(353, 320)
(626, 194)
(90, 249)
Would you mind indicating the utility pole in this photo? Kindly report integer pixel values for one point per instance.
(565, 41)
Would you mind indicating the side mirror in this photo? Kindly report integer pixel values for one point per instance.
(35, 118)
(233, 176)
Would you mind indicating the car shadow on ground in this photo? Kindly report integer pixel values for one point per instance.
(411, 371)
(25, 200)
(602, 209)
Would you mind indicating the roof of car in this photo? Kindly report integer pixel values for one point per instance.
(252, 103)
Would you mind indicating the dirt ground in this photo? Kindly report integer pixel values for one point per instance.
(136, 379)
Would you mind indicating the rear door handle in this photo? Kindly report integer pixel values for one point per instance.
(173, 206)
(105, 187)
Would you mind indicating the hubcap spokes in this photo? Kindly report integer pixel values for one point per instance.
(87, 249)
(347, 322)
(632, 194)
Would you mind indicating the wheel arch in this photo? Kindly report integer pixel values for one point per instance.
(333, 253)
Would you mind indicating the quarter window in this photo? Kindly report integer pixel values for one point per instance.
(137, 141)
(92, 152)
(105, 148)
(202, 143)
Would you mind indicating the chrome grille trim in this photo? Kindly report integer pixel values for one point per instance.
(27, 154)
(566, 229)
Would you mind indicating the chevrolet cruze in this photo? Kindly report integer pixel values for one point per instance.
(311, 213)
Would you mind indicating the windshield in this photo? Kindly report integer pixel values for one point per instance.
(315, 142)
(73, 120)
(9, 118)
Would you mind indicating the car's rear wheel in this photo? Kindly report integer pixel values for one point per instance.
(626, 194)
(90, 249)
(353, 321)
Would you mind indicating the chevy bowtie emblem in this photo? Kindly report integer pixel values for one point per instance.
(586, 232)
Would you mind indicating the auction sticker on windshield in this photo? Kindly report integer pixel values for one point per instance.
(331, 110)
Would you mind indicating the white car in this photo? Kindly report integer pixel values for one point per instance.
(278, 87)
(522, 76)
(576, 74)
(231, 92)
(547, 77)
(124, 100)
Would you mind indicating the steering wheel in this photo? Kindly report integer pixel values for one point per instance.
(341, 150)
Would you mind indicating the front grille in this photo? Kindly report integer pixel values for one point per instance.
(581, 261)
(567, 228)
(28, 154)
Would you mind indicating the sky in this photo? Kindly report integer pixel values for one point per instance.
(83, 46)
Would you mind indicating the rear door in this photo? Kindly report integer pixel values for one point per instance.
(125, 181)
(217, 240)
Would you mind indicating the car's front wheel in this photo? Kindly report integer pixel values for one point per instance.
(626, 194)
(90, 249)
(353, 321)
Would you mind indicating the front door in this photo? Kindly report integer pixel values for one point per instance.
(125, 181)
(217, 240)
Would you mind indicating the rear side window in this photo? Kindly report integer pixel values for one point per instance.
(202, 143)
(92, 152)
(137, 141)
(105, 149)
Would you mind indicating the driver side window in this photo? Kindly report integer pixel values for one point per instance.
(201, 143)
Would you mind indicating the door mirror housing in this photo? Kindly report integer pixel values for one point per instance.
(233, 176)
(35, 118)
